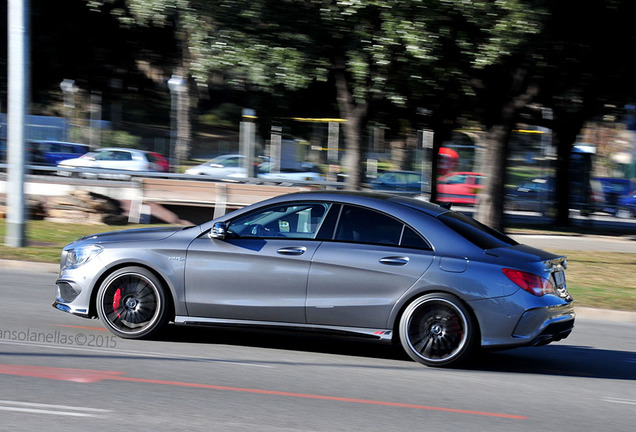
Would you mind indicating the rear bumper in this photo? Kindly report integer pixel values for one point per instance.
(522, 319)
(541, 326)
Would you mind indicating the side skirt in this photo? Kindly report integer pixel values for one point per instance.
(382, 335)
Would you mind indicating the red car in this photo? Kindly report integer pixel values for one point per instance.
(160, 160)
(459, 187)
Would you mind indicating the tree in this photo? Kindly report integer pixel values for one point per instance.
(504, 92)
(586, 73)
(181, 19)
(573, 66)
(372, 51)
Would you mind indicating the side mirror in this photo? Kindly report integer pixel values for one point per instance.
(218, 231)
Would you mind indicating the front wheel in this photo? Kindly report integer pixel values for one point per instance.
(132, 303)
(437, 330)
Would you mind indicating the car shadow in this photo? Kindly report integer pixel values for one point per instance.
(305, 341)
(561, 360)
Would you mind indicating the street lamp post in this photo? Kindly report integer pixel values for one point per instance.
(246, 141)
(176, 86)
(69, 89)
(18, 61)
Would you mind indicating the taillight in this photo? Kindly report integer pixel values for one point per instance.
(534, 284)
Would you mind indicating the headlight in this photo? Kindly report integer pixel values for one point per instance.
(80, 255)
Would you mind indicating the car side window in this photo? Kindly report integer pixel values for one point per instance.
(300, 221)
(123, 156)
(362, 225)
(231, 163)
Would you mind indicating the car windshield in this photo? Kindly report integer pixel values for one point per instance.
(456, 179)
(477, 233)
(224, 161)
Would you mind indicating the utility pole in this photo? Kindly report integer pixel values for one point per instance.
(18, 89)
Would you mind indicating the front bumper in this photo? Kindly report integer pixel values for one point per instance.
(71, 298)
(75, 287)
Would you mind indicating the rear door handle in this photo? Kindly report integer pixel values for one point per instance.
(395, 261)
(292, 250)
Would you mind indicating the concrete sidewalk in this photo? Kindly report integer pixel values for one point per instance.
(625, 244)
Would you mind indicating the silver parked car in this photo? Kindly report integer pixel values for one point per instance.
(230, 165)
(374, 265)
(113, 158)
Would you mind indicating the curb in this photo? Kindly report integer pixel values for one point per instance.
(30, 265)
(581, 312)
(605, 314)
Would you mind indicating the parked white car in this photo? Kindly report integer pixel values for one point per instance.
(121, 159)
(306, 171)
(229, 165)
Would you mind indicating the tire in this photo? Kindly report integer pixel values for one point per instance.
(132, 303)
(437, 330)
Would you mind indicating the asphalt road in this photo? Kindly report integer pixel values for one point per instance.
(62, 373)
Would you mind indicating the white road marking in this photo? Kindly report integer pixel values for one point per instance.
(620, 400)
(61, 410)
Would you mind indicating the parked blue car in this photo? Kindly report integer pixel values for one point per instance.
(51, 153)
(627, 205)
(615, 190)
(398, 182)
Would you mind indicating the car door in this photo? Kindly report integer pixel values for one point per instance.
(356, 278)
(260, 270)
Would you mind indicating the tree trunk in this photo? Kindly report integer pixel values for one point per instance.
(183, 133)
(565, 130)
(354, 115)
(490, 208)
(184, 99)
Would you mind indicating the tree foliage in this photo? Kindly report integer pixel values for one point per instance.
(373, 51)
(483, 59)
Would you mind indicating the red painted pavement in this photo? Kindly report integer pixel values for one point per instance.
(92, 376)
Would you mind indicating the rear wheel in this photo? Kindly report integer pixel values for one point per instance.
(437, 330)
(132, 303)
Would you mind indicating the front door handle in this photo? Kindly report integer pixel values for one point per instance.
(292, 250)
(395, 261)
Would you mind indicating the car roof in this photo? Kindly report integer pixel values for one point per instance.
(400, 171)
(58, 142)
(227, 156)
(463, 172)
(370, 199)
(123, 149)
(117, 148)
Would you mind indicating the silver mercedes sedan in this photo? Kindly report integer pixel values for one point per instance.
(373, 265)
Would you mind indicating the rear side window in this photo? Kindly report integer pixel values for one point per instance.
(362, 225)
(477, 233)
(114, 155)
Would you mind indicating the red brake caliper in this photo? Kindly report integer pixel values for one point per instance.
(117, 300)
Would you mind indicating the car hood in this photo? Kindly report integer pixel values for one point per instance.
(76, 162)
(139, 234)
